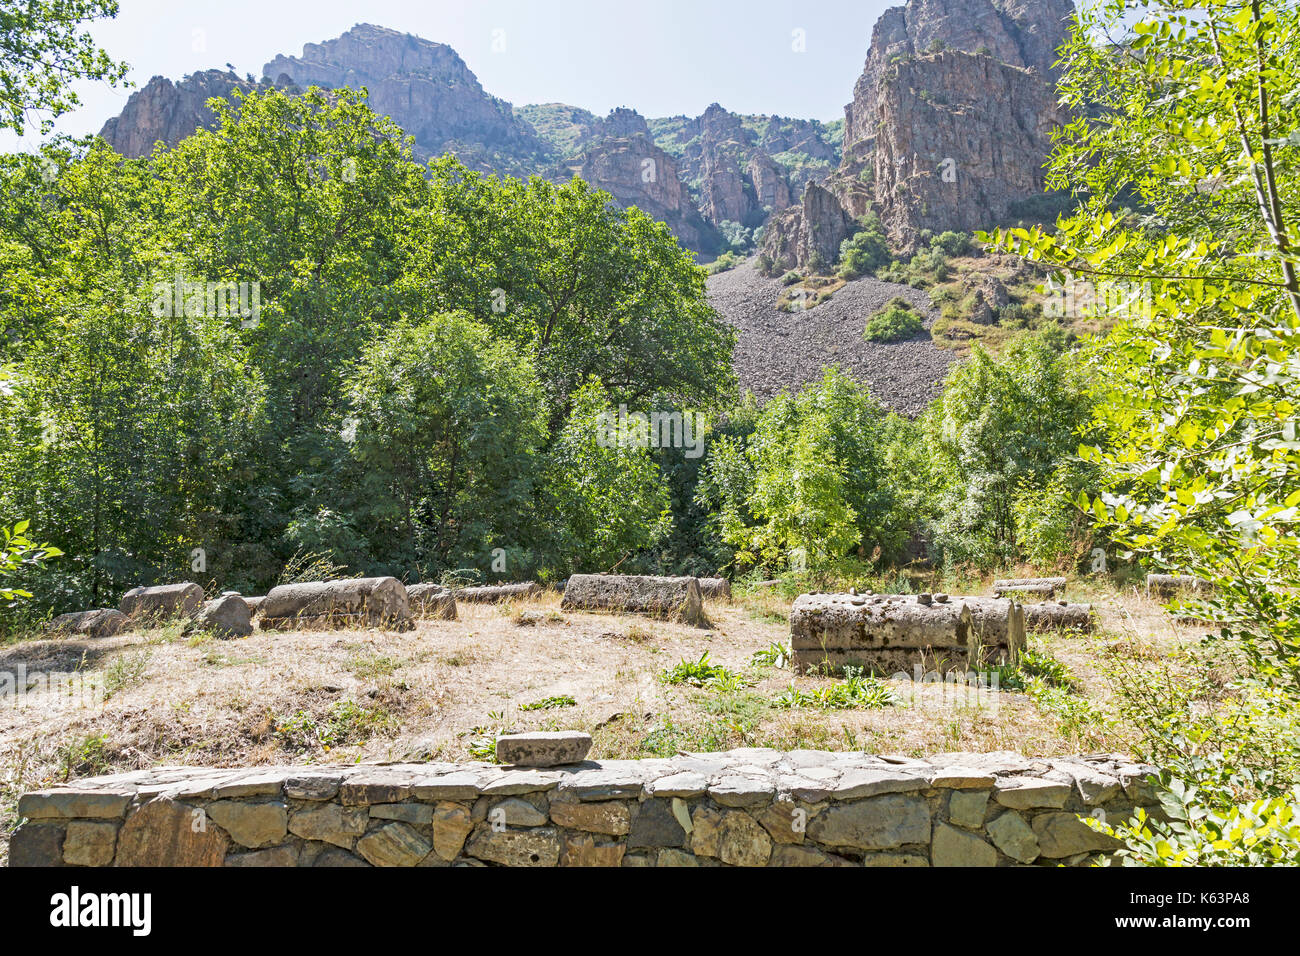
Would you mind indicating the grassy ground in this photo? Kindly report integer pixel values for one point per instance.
(445, 689)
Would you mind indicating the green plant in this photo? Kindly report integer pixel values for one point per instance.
(125, 671)
(550, 703)
(774, 655)
(18, 552)
(897, 320)
(343, 722)
(1264, 832)
(855, 692)
(702, 673)
(84, 757)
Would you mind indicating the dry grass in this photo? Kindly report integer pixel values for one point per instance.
(444, 689)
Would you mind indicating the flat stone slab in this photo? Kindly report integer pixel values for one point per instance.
(543, 749)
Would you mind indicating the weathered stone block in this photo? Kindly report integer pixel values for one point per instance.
(432, 600)
(368, 602)
(102, 622)
(254, 825)
(36, 844)
(676, 598)
(1012, 835)
(876, 823)
(536, 847)
(393, 844)
(330, 823)
(166, 833)
(163, 601)
(543, 749)
(611, 816)
(953, 847)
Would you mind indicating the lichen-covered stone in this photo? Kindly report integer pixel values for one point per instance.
(539, 846)
(611, 816)
(166, 833)
(1013, 836)
(330, 823)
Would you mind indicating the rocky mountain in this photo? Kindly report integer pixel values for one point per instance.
(694, 173)
(949, 126)
(168, 112)
(426, 89)
(947, 129)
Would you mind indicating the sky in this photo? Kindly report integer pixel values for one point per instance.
(660, 57)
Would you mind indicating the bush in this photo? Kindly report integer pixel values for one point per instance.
(790, 278)
(952, 244)
(728, 260)
(897, 320)
(865, 252)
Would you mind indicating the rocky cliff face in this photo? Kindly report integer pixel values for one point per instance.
(427, 90)
(638, 173)
(961, 138)
(1023, 33)
(167, 111)
(950, 121)
(731, 161)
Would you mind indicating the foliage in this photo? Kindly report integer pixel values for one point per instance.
(148, 435)
(866, 251)
(16, 552)
(701, 673)
(1264, 832)
(448, 422)
(897, 320)
(997, 434)
(1185, 154)
(854, 692)
(45, 46)
(609, 496)
(818, 486)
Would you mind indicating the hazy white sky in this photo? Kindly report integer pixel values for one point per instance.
(660, 57)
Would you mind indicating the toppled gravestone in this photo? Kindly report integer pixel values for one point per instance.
(715, 589)
(163, 601)
(101, 622)
(1059, 616)
(889, 633)
(1168, 585)
(431, 600)
(349, 602)
(676, 598)
(543, 748)
(492, 593)
(1045, 588)
(225, 616)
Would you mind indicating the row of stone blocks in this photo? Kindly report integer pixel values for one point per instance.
(754, 807)
(378, 602)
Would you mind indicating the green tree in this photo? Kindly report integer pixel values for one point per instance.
(44, 47)
(998, 430)
(445, 423)
(607, 492)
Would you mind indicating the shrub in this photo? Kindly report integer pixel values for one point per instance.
(952, 244)
(897, 320)
(864, 252)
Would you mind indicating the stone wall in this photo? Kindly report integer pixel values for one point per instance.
(753, 807)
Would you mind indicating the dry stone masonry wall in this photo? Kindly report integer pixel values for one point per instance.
(753, 807)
